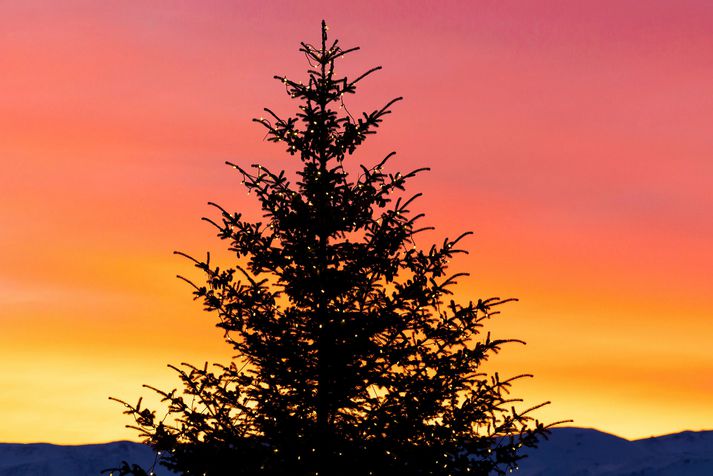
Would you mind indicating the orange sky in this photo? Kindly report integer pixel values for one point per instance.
(573, 137)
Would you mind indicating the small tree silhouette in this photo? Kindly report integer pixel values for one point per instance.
(350, 361)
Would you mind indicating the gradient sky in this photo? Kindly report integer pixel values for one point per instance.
(574, 138)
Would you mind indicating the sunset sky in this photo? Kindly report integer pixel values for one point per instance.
(574, 138)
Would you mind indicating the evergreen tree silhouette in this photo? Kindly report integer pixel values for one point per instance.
(351, 359)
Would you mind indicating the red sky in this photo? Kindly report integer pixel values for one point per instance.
(574, 138)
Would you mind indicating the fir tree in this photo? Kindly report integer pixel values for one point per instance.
(351, 357)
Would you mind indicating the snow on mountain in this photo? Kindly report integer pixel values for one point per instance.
(568, 452)
(587, 452)
(41, 459)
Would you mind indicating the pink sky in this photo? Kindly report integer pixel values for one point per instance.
(573, 137)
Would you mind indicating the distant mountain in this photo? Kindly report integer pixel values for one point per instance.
(568, 452)
(41, 459)
(586, 452)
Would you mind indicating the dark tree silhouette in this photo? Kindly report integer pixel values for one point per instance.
(350, 359)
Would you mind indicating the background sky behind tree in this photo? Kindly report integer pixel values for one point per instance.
(573, 138)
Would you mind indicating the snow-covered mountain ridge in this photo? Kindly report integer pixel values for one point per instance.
(588, 452)
(568, 452)
(42, 459)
